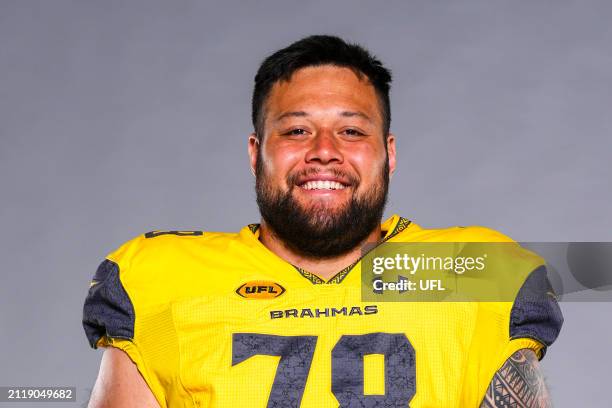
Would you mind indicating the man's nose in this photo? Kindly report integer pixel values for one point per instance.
(324, 148)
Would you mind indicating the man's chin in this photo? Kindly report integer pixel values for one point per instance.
(320, 214)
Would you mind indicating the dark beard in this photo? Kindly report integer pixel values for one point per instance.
(319, 233)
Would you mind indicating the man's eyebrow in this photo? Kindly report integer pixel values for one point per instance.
(301, 114)
(349, 114)
(285, 115)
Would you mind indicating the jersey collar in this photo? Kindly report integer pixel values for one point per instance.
(391, 227)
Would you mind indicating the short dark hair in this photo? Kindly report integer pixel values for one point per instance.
(318, 50)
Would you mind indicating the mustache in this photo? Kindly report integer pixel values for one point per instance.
(292, 179)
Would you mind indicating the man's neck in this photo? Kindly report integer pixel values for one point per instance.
(323, 268)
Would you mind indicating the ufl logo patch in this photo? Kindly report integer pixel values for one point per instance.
(260, 289)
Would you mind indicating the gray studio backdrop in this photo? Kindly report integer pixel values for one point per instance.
(119, 117)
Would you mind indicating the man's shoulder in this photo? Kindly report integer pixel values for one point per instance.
(502, 250)
(170, 245)
(160, 266)
(471, 233)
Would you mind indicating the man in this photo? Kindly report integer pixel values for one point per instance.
(273, 316)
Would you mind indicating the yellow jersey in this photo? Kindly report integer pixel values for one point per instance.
(218, 320)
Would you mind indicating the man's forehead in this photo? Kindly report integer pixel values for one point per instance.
(325, 87)
(324, 74)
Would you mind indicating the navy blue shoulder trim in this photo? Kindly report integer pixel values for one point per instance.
(108, 310)
(536, 313)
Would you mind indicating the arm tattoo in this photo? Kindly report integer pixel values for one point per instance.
(518, 384)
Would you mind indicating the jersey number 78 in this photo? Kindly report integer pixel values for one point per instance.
(296, 354)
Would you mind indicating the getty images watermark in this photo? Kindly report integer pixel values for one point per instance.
(485, 271)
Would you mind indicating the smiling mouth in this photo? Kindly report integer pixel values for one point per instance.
(322, 185)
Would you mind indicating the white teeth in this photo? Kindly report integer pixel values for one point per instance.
(323, 185)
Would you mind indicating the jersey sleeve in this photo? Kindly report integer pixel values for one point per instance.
(533, 321)
(526, 317)
(535, 318)
(112, 317)
(536, 314)
(108, 311)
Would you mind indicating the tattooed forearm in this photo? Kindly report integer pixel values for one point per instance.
(519, 383)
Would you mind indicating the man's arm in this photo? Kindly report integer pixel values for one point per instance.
(119, 384)
(519, 383)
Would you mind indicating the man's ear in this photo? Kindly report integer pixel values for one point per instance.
(253, 151)
(391, 152)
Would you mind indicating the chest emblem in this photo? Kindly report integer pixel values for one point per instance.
(260, 289)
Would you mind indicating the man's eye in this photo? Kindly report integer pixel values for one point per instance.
(352, 132)
(294, 132)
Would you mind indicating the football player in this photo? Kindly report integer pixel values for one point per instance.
(272, 316)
